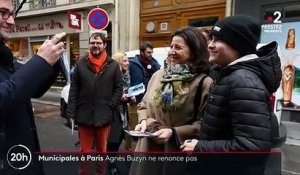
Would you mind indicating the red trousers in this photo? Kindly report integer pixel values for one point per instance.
(87, 136)
(90, 134)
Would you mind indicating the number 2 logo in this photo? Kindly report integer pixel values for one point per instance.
(277, 14)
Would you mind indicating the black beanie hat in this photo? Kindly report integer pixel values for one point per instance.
(241, 32)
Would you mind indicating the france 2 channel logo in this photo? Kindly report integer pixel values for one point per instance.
(275, 18)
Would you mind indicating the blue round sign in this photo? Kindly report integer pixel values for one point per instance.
(98, 19)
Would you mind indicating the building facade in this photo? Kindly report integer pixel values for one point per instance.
(41, 19)
(130, 22)
(160, 18)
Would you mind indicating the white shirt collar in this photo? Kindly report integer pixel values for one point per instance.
(244, 58)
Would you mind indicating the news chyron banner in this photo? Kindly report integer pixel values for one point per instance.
(129, 162)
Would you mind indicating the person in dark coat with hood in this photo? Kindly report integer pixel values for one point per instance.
(238, 110)
(19, 83)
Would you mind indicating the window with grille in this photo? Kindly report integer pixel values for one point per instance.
(42, 3)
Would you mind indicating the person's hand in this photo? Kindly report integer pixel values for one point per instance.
(141, 126)
(133, 99)
(162, 135)
(52, 48)
(189, 145)
(124, 97)
(71, 120)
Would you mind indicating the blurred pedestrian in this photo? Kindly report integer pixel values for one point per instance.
(120, 122)
(142, 67)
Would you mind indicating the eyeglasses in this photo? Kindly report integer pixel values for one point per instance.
(6, 14)
(97, 43)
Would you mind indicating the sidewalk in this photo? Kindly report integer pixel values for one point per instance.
(51, 97)
(43, 111)
(293, 133)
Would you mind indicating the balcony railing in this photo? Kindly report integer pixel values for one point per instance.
(36, 4)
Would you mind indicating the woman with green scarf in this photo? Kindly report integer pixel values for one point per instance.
(168, 105)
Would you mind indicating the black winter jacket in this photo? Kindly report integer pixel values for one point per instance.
(19, 83)
(238, 115)
(238, 112)
(94, 97)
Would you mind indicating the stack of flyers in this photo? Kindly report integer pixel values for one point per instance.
(139, 134)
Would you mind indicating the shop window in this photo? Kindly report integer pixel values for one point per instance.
(292, 11)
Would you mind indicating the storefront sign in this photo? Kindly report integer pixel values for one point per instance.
(51, 25)
(74, 20)
(98, 19)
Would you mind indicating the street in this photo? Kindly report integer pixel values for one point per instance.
(56, 138)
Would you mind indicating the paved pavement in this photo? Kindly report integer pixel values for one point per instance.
(293, 133)
(52, 97)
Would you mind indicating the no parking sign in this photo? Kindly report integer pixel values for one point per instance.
(98, 19)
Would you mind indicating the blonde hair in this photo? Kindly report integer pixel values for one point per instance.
(118, 56)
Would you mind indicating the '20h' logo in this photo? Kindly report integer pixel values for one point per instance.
(19, 157)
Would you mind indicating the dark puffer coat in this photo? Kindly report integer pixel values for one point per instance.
(238, 111)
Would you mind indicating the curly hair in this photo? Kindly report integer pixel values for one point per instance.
(197, 43)
(98, 35)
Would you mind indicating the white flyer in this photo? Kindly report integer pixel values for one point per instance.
(139, 134)
(136, 90)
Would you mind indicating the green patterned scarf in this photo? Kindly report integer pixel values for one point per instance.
(172, 92)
